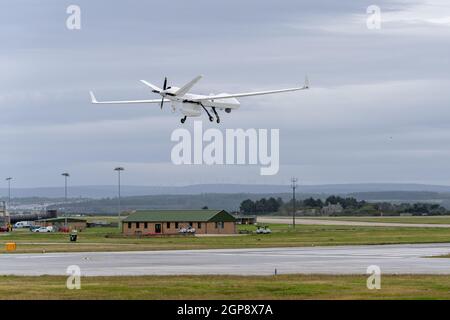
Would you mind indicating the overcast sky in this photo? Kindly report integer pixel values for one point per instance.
(378, 109)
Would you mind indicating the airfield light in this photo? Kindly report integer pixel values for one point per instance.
(293, 186)
(9, 190)
(119, 169)
(65, 175)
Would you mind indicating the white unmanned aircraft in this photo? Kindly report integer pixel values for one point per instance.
(192, 104)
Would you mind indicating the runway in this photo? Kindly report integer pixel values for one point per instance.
(405, 259)
(331, 222)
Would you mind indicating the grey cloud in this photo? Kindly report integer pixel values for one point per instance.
(377, 110)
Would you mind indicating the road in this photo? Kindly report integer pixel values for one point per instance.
(286, 220)
(405, 259)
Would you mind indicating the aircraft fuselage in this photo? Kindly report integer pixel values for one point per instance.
(192, 108)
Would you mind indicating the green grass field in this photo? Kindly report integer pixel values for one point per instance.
(227, 287)
(99, 239)
(404, 219)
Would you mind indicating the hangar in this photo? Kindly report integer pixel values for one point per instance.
(167, 222)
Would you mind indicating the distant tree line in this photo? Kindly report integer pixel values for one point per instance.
(261, 206)
(349, 206)
(344, 202)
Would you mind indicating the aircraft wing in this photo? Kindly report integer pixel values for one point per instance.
(94, 100)
(256, 93)
(184, 89)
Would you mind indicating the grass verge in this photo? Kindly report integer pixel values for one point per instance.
(227, 287)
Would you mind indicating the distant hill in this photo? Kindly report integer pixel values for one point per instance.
(231, 201)
(97, 192)
(399, 196)
(227, 201)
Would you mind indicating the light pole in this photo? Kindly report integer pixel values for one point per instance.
(119, 169)
(9, 190)
(294, 186)
(65, 175)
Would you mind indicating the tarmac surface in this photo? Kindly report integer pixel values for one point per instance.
(331, 222)
(392, 259)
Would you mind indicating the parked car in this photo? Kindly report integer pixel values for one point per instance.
(187, 230)
(190, 230)
(43, 229)
(263, 230)
(22, 224)
(33, 227)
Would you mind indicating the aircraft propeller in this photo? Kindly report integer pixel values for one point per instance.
(164, 89)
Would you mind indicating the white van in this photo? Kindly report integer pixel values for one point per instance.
(22, 224)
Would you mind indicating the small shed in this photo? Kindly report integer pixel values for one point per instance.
(245, 219)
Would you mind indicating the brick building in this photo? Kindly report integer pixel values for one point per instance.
(171, 221)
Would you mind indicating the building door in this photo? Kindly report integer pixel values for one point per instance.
(158, 228)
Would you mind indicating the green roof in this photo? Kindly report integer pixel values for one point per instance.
(180, 216)
(61, 219)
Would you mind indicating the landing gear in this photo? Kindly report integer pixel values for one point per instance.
(183, 119)
(215, 113)
(206, 110)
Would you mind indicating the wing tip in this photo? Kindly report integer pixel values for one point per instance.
(306, 84)
(93, 99)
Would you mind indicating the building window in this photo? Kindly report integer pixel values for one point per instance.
(137, 225)
(168, 225)
(129, 225)
(191, 224)
(176, 225)
(145, 225)
(219, 225)
(199, 225)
